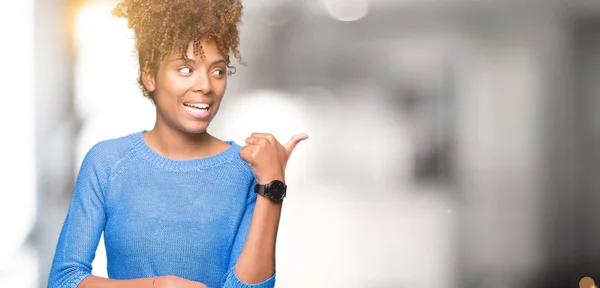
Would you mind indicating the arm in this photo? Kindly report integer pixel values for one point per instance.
(98, 282)
(255, 266)
(257, 261)
(158, 282)
(80, 234)
(83, 226)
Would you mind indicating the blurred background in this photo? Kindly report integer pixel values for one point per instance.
(453, 143)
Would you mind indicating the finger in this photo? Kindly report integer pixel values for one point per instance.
(256, 141)
(244, 154)
(290, 145)
(247, 153)
(267, 136)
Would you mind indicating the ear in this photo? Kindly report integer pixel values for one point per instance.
(149, 80)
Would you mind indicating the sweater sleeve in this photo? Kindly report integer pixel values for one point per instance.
(82, 228)
(231, 280)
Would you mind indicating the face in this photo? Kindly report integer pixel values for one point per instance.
(187, 93)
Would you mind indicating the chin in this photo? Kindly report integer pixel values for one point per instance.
(194, 128)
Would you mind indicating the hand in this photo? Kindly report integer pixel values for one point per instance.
(267, 157)
(176, 282)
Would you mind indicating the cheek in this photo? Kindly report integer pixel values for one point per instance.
(175, 86)
(219, 88)
(169, 90)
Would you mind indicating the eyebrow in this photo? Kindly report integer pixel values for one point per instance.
(192, 60)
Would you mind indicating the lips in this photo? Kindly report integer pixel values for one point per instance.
(201, 106)
(197, 110)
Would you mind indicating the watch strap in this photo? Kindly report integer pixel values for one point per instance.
(260, 189)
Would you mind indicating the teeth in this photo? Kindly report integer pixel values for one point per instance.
(199, 106)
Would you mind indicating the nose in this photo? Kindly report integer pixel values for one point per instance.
(202, 83)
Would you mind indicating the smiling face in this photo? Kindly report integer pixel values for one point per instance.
(187, 92)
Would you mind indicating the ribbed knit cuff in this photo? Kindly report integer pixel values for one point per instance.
(72, 283)
(232, 281)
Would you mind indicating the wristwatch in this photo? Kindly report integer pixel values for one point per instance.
(274, 190)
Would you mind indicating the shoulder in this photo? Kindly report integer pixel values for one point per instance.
(245, 173)
(101, 160)
(108, 153)
(237, 163)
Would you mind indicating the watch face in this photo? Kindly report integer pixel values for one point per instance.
(277, 190)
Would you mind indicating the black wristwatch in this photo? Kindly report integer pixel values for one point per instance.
(274, 190)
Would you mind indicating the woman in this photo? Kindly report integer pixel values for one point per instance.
(178, 207)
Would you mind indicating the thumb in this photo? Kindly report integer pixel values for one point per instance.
(290, 145)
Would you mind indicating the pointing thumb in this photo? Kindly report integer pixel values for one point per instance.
(290, 145)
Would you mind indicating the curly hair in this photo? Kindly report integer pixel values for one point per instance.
(162, 27)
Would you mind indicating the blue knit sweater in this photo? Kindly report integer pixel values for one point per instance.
(160, 216)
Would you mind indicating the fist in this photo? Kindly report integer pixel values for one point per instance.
(267, 157)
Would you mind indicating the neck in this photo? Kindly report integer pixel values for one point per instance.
(179, 145)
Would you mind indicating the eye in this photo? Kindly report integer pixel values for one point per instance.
(219, 72)
(185, 70)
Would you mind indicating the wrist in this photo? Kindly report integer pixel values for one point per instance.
(268, 179)
(263, 202)
(162, 281)
(274, 190)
